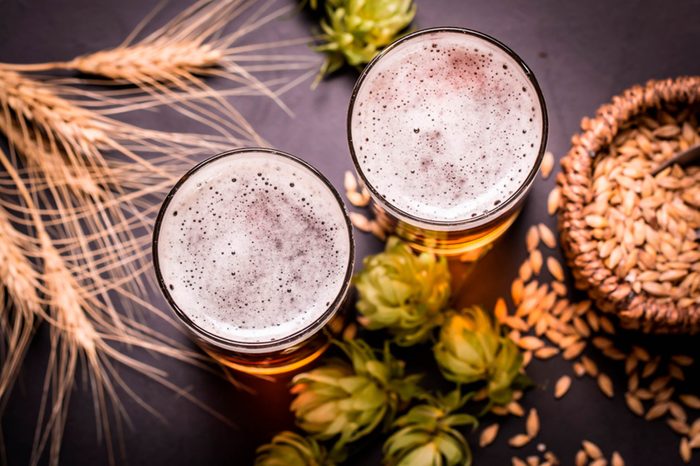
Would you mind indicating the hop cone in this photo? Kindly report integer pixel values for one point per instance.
(472, 349)
(291, 449)
(350, 399)
(356, 30)
(427, 436)
(403, 292)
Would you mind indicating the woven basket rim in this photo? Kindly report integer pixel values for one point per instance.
(638, 310)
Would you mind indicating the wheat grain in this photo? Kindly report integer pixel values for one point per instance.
(616, 459)
(555, 268)
(532, 423)
(691, 401)
(547, 164)
(519, 440)
(605, 385)
(590, 366)
(685, 450)
(656, 411)
(553, 200)
(682, 360)
(592, 450)
(678, 426)
(546, 352)
(515, 409)
(634, 404)
(488, 435)
(547, 236)
(532, 240)
(536, 261)
(562, 386)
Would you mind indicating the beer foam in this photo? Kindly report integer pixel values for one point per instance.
(446, 126)
(254, 247)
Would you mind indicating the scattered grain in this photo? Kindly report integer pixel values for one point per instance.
(562, 386)
(605, 385)
(547, 164)
(592, 450)
(519, 440)
(488, 435)
(555, 268)
(532, 423)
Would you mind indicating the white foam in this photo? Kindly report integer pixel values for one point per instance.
(446, 126)
(254, 247)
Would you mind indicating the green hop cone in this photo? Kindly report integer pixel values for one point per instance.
(350, 400)
(291, 449)
(356, 30)
(472, 349)
(402, 292)
(426, 435)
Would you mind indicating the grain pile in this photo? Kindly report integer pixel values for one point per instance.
(630, 236)
(546, 324)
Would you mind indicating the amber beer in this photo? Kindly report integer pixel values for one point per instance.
(447, 128)
(253, 250)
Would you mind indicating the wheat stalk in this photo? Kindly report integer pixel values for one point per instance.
(19, 313)
(170, 63)
(80, 190)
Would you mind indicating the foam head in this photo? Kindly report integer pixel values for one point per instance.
(253, 247)
(446, 126)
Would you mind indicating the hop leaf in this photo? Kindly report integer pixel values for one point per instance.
(472, 349)
(291, 449)
(350, 400)
(402, 292)
(356, 30)
(426, 435)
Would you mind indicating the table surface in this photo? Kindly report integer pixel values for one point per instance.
(581, 52)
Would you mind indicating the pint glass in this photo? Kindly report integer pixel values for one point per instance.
(253, 250)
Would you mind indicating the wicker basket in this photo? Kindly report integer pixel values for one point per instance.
(636, 310)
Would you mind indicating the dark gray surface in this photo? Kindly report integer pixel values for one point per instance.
(582, 54)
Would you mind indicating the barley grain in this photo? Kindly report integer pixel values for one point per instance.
(562, 386)
(605, 385)
(532, 423)
(634, 404)
(592, 450)
(519, 440)
(685, 450)
(555, 268)
(488, 435)
(691, 401)
(553, 200)
(547, 164)
(616, 459)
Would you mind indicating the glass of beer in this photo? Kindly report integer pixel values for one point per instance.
(253, 250)
(447, 128)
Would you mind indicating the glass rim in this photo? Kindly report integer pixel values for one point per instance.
(288, 340)
(505, 206)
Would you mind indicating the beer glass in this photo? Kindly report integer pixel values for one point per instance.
(253, 250)
(447, 128)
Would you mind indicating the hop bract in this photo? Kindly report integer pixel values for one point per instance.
(402, 292)
(472, 349)
(427, 435)
(350, 400)
(356, 30)
(291, 449)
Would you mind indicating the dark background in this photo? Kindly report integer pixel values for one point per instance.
(581, 52)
